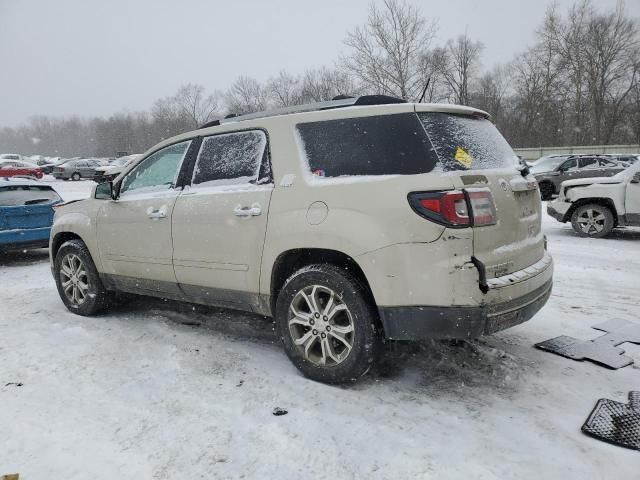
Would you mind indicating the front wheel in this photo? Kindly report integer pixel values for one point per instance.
(592, 220)
(77, 279)
(325, 320)
(75, 177)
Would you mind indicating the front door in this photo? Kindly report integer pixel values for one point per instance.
(134, 231)
(220, 221)
(632, 199)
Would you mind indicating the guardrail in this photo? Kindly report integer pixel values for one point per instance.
(535, 153)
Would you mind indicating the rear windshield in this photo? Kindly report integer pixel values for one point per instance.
(16, 195)
(403, 144)
(466, 142)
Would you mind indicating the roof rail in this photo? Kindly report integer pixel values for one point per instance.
(340, 101)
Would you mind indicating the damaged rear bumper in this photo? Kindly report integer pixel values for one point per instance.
(418, 322)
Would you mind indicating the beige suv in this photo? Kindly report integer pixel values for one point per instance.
(350, 222)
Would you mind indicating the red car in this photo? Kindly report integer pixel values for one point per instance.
(15, 168)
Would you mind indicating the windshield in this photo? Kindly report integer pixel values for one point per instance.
(546, 164)
(16, 195)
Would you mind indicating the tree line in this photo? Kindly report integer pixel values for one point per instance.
(578, 84)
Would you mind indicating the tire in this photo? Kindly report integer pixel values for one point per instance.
(547, 190)
(76, 176)
(592, 220)
(349, 320)
(74, 257)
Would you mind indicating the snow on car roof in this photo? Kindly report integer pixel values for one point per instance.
(13, 181)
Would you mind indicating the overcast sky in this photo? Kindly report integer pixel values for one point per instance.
(98, 57)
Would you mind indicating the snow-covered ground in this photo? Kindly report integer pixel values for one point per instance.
(142, 392)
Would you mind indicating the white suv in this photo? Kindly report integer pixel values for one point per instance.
(349, 222)
(594, 206)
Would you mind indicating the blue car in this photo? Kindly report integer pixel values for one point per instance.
(26, 213)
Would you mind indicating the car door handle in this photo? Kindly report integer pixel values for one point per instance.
(159, 213)
(252, 211)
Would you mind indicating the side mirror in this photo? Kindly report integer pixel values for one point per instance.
(104, 191)
(635, 178)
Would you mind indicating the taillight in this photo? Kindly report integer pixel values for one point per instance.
(482, 206)
(455, 208)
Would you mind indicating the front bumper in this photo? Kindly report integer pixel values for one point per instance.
(558, 209)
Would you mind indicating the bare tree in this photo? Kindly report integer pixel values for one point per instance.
(566, 38)
(246, 95)
(433, 63)
(323, 84)
(612, 55)
(284, 90)
(192, 103)
(386, 52)
(461, 64)
(491, 92)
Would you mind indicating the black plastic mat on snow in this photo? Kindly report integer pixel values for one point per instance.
(603, 350)
(615, 422)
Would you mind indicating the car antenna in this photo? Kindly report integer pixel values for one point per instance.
(424, 92)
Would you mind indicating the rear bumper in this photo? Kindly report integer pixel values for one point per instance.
(424, 322)
(35, 237)
(509, 301)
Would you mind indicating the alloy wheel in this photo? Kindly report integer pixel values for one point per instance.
(74, 280)
(321, 326)
(591, 221)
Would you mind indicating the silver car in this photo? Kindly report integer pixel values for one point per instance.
(76, 169)
(550, 172)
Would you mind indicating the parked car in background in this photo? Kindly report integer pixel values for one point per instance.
(108, 173)
(595, 206)
(11, 156)
(76, 169)
(386, 220)
(15, 168)
(26, 213)
(550, 172)
(627, 158)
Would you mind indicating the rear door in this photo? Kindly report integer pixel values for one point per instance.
(609, 168)
(220, 221)
(588, 167)
(476, 156)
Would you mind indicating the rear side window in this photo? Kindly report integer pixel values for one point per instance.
(379, 145)
(233, 158)
(465, 142)
(17, 195)
(588, 163)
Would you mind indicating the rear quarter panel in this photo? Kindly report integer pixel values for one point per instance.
(352, 215)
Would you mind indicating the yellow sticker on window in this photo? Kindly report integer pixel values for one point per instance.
(463, 158)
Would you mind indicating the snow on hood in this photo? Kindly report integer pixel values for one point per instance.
(590, 181)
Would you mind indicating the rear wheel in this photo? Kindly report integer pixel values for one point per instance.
(75, 177)
(546, 190)
(325, 321)
(77, 279)
(592, 220)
